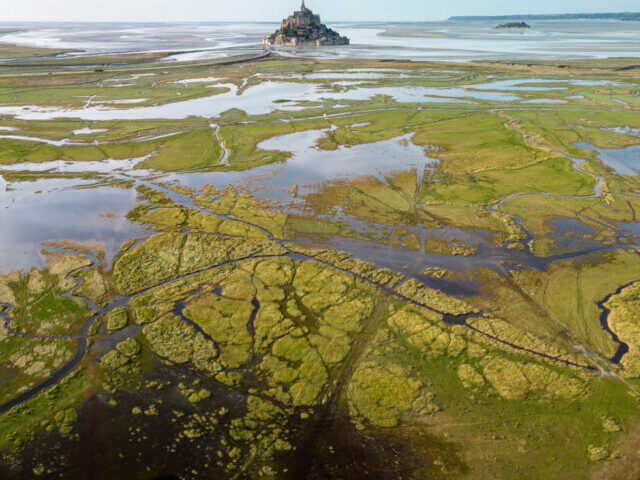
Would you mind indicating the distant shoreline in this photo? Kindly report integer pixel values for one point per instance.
(560, 16)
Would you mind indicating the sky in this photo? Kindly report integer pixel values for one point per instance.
(274, 10)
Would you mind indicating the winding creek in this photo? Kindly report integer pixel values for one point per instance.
(623, 348)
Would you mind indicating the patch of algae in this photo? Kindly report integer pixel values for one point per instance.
(160, 212)
(452, 247)
(117, 319)
(178, 342)
(166, 255)
(511, 334)
(345, 261)
(411, 242)
(382, 394)
(128, 347)
(226, 321)
(434, 299)
(93, 286)
(514, 380)
(470, 377)
(166, 217)
(434, 272)
(65, 420)
(422, 330)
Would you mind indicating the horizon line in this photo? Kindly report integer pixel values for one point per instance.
(466, 17)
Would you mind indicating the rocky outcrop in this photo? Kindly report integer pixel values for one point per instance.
(513, 25)
(304, 28)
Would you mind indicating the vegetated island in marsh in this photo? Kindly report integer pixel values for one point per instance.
(459, 305)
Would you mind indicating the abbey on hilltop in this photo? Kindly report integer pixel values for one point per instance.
(303, 28)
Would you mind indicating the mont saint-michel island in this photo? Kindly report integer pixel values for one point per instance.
(304, 28)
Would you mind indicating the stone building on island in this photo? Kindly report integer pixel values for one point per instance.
(304, 28)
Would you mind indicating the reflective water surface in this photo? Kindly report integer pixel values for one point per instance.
(438, 40)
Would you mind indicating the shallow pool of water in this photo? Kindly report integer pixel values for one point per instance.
(187, 81)
(309, 165)
(634, 132)
(256, 100)
(83, 215)
(88, 131)
(103, 166)
(625, 161)
(572, 235)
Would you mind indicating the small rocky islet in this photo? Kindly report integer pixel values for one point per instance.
(513, 25)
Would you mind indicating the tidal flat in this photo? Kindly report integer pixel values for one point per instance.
(290, 268)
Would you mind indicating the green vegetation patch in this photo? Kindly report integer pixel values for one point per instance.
(624, 320)
(117, 319)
